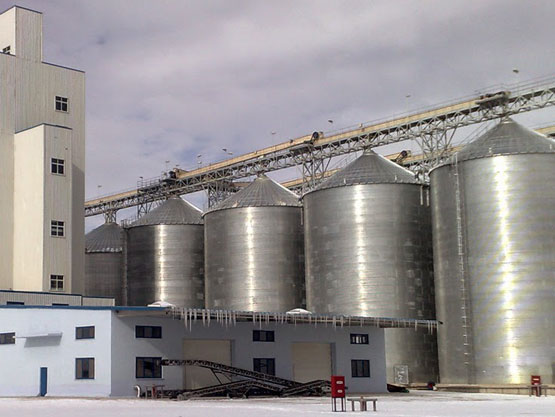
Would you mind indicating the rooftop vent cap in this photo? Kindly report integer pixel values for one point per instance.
(299, 311)
(161, 304)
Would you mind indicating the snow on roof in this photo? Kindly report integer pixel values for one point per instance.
(231, 317)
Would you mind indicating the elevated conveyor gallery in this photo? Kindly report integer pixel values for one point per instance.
(427, 125)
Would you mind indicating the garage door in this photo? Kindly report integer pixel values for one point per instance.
(208, 350)
(311, 361)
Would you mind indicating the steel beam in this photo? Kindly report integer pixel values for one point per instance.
(432, 128)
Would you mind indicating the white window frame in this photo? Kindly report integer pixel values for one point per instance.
(56, 164)
(55, 281)
(61, 104)
(57, 228)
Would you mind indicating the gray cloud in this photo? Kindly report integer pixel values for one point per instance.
(167, 80)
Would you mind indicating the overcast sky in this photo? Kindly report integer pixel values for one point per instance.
(168, 80)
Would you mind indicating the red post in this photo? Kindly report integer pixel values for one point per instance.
(337, 392)
(535, 385)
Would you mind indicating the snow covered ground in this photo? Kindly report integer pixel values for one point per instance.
(417, 403)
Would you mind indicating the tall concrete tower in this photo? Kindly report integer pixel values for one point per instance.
(42, 162)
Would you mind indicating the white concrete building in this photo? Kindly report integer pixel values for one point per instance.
(42, 162)
(106, 351)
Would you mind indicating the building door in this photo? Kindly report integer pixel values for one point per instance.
(209, 350)
(311, 361)
(43, 381)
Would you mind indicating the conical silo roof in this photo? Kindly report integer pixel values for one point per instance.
(506, 138)
(262, 192)
(105, 238)
(369, 168)
(172, 211)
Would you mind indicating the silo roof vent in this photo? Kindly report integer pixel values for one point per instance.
(262, 192)
(173, 211)
(506, 138)
(369, 168)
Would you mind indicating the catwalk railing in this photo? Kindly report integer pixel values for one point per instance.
(206, 317)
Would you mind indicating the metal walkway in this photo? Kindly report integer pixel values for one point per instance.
(432, 128)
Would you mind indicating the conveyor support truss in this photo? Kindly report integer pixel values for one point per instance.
(251, 381)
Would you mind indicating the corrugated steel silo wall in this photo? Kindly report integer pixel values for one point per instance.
(368, 252)
(254, 259)
(508, 229)
(104, 275)
(166, 262)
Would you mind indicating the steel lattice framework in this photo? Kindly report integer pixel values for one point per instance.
(433, 129)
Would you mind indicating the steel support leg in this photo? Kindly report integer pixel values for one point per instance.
(219, 191)
(435, 148)
(314, 169)
(110, 216)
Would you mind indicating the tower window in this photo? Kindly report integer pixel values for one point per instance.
(62, 104)
(56, 282)
(57, 228)
(57, 166)
(6, 50)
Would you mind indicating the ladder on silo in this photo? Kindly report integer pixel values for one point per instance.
(466, 321)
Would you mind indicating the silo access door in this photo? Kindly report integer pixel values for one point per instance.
(209, 350)
(311, 361)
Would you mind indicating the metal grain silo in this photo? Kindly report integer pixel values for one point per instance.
(165, 256)
(493, 211)
(104, 266)
(368, 250)
(254, 250)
